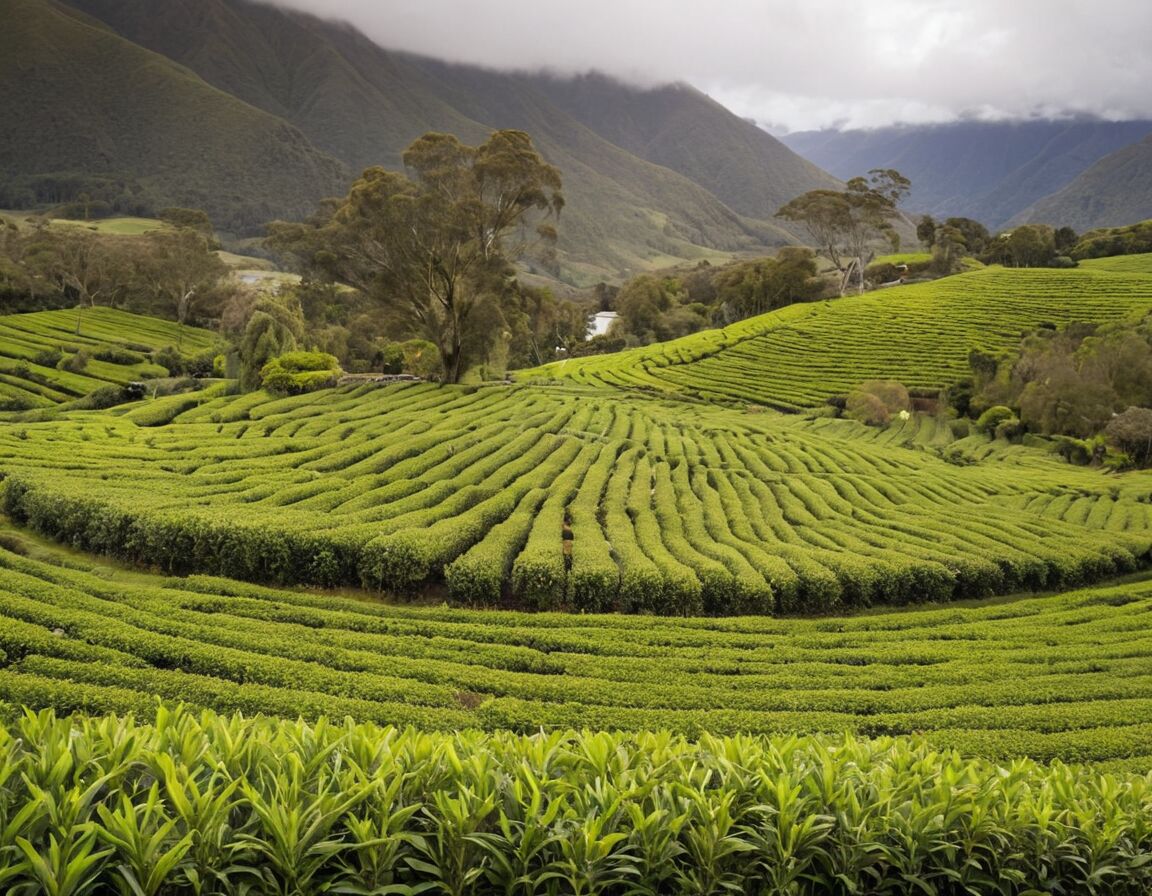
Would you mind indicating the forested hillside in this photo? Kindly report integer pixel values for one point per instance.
(1115, 191)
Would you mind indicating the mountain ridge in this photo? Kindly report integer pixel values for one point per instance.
(990, 171)
(364, 104)
(1114, 191)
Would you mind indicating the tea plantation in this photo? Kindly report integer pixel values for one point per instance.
(1065, 677)
(562, 498)
(52, 357)
(783, 619)
(920, 335)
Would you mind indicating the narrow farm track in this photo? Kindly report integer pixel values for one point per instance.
(567, 498)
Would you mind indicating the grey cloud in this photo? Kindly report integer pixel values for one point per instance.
(806, 63)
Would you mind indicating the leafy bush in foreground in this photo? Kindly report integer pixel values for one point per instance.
(213, 804)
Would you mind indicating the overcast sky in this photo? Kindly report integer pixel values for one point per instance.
(807, 63)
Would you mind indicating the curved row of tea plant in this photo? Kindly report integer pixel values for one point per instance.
(921, 335)
(1129, 264)
(204, 803)
(1058, 677)
(560, 498)
(35, 349)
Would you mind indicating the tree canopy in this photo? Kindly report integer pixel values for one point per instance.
(844, 223)
(436, 245)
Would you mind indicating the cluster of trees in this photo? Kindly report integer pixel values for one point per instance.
(433, 248)
(1134, 239)
(656, 307)
(1027, 246)
(1087, 382)
(172, 272)
(79, 195)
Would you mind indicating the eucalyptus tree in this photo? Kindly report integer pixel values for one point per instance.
(437, 244)
(844, 224)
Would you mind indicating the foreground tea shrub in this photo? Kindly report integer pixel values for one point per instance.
(197, 802)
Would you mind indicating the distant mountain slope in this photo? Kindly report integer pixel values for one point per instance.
(681, 128)
(77, 97)
(989, 171)
(352, 98)
(1117, 190)
(640, 214)
(364, 104)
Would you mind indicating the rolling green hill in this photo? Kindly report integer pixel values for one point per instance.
(626, 210)
(558, 498)
(909, 727)
(1128, 264)
(1057, 677)
(921, 335)
(79, 98)
(36, 350)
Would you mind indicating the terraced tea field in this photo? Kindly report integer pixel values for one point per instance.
(117, 343)
(472, 756)
(921, 335)
(1128, 264)
(1067, 676)
(566, 498)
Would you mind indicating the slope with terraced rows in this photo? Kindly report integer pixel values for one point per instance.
(1056, 677)
(553, 497)
(920, 335)
(35, 351)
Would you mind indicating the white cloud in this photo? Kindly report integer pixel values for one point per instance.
(806, 63)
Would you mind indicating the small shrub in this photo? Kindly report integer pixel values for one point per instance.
(422, 358)
(867, 408)
(993, 417)
(294, 373)
(1010, 429)
(99, 399)
(76, 363)
(48, 358)
(114, 354)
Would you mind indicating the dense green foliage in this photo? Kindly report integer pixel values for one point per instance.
(204, 803)
(1134, 239)
(665, 507)
(136, 264)
(1070, 381)
(1053, 677)
(680, 301)
(920, 335)
(437, 248)
(43, 361)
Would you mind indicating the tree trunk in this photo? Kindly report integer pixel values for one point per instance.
(450, 358)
